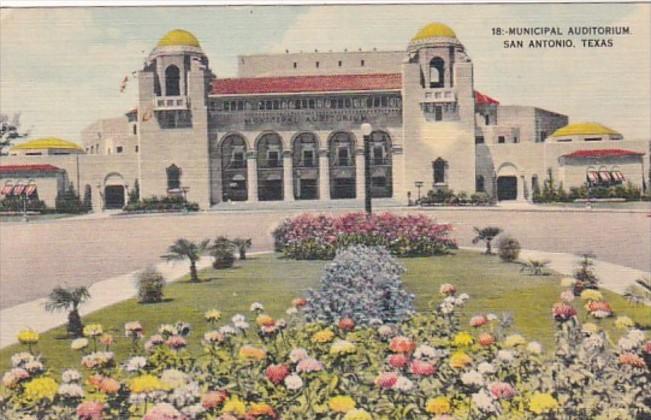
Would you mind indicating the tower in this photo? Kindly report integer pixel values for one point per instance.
(438, 112)
(173, 120)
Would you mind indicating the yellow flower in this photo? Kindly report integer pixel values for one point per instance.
(358, 414)
(438, 406)
(264, 320)
(514, 340)
(590, 328)
(234, 406)
(463, 339)
(323, 336)
(568, 281)
(28, 336)
(93, 330)
(341, 404)
(542, 403)
(261, 409)
(342, 347)
(147, 383)
(591, 295)
(460, 360)
(252, 353)
(41, 388)
(212, 315)
(624, 322)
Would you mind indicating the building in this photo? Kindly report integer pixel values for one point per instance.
(288, 127)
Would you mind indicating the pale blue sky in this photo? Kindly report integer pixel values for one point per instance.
(62, 67)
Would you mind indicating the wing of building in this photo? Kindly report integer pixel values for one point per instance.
(289, 127)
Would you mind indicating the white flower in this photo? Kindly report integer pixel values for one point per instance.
(385, 331)
(256, 306)
(186, 394)
(375, 321)
(505, 355)
(71, 391)
(404, 384)
(625, 343)
(463, 297)
(238, 318)
(241, 325)
(293, 382)
(567, 296)
(424, 351)
(600, 314)
(450, 300)
(472, 378)
(167, 329)
(484, 402)
(593, 342)
(485, 367)
(637, 336)
(298, 354)
(193, 411)
(534, 347)
(491, 317)
(19, 359)
(79, 343)
(34, 366)
(174, 378)
(135, 364)
(446, 308)
(291, 311)
(227, 330)
(70, 375)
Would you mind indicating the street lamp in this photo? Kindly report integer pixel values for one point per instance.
(367, 129)
(418, 185)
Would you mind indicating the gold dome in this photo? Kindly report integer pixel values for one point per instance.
(434, 30)
(47, 143)
(584, 129)
(179, 37)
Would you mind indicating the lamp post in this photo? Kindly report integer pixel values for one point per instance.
(366, 132)
(419, 185)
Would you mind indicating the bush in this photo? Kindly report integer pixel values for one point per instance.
(242, 245)
(68, 202)
(509, 249)
(584, 274)
(163, 204)
(362, 283)
(223, 251)
(150, 283)
(450, 198)
(14, 203)
(310, 237)
(481, 199)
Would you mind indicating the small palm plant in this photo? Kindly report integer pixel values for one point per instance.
(640, 292)
(182, 249)
(69, 299)
(242, 246)
(486, 235)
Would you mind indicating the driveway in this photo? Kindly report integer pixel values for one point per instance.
(35, 257)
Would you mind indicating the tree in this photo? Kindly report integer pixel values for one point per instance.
(486, 235)
(68, 201)
(87, 203)
(9, 131)
(223, 250)
(134, 193)
(69, 299)
(242, 245)
(182, 249)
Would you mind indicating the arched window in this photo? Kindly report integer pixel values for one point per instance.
(479, 184)
(439, 167)
(172, 81)
(436, 73)
(173, 177)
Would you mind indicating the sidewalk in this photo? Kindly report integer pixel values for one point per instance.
(108, 292)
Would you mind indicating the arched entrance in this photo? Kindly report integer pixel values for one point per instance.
(234, 172)
(114, 192)
(305, 152)
(269, 152)
(342, 165)
(507, 183)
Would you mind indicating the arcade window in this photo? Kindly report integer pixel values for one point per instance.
(273, 158)
(342, 156)
(175, 119)
(172, 81)
(438, 113)
(237, 159)
(173, 177)
(501, 139)
(439, 167)
(436, 73)
(308, 158)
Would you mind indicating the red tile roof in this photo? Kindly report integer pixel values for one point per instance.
(602, 153)
(481, 99)
(294, 84)
(28, 168)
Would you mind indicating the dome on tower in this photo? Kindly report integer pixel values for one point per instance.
(434, 30)
(178, 37)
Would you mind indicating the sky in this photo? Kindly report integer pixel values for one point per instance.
(61, 67)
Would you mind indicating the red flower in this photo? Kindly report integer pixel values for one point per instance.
(647, 347)
(599, 306)
(346, 324)
(90, 410)
(563, 311)
(631, 359)
(299, 302)
(398, 360)
(502, 390)
(276, 373)
(386, 380)
(402, 344)
(213, 399)
(478, 320)
(422, 368)
(486, 339)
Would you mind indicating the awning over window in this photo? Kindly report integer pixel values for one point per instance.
(19, 188)
(31, 189)
(604, 176)
(593, 176)
(617, 175)
(7, 189)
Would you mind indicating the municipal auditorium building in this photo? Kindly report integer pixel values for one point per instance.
(288, 127)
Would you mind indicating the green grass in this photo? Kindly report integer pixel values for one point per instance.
(493, 286)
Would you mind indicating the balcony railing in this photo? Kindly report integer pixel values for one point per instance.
(165, 103)
(438, 95)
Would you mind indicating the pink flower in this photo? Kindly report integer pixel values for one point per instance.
(176, 342)
(398, 360)
(346, 324)
(154, 341)
(478, 320)
(563, 311)
(567, 296)
(386, 380)
(276, 373)
(601, 307)
(90, 410)
(631, 359)
(486, 339)
(422, 368)
(402, 344)
(647, 347)
(309, 365)
(502, 390)
(164, 411)
(213, 399)
(447, 289)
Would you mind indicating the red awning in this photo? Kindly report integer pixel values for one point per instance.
(31, 189)
(19, 188)
(593, 176)
(7, 189)
(604, 175)
(617, 175)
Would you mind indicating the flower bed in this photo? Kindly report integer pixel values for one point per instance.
(309, 237)
(259, 367)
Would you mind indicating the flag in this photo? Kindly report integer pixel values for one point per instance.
(123, 84)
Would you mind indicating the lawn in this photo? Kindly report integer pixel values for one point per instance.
(493, 286)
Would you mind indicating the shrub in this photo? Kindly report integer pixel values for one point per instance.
(223, 251)
(362, 283)
(242, 245)
(68, 202)
(319, 236)
(15, 204)
(584, 274)
(480, 199)
(162, 204)
(509, 249)
(150, 283)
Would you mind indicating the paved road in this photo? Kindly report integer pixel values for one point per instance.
(35, 257)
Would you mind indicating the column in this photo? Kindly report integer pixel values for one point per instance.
(288, 176)
(252, 176)
(359, 174)
(398, 176)
(324, 175)
(521, 187)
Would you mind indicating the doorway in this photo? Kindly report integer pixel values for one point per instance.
(114, 196)
(507, 188)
